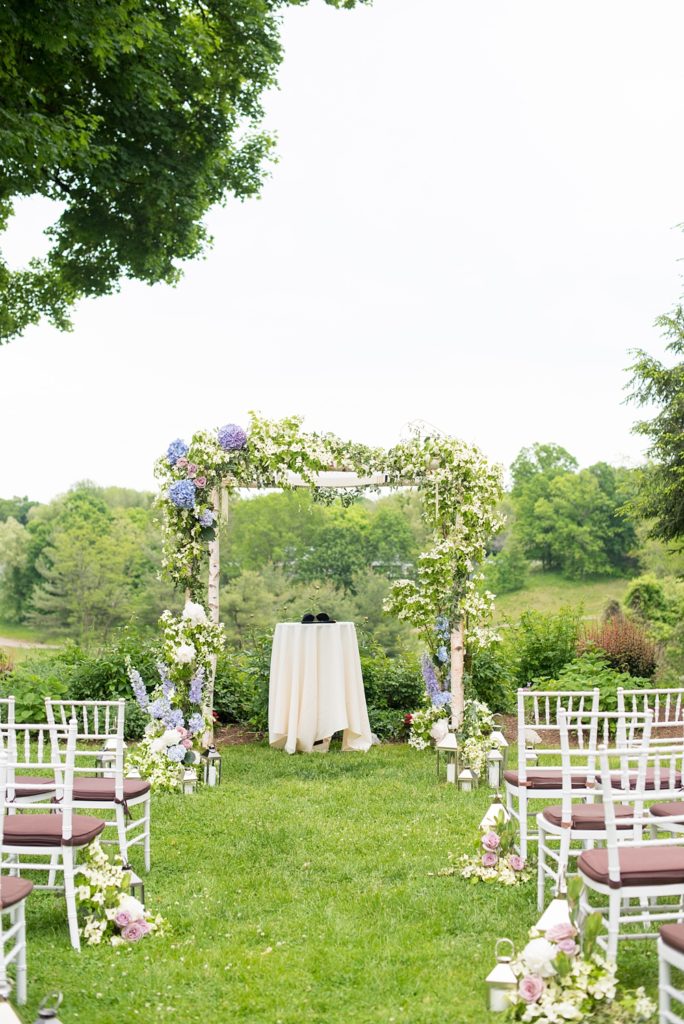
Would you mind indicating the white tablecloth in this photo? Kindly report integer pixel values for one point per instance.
(316, 687)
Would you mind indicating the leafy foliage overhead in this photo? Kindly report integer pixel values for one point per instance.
(136, 116)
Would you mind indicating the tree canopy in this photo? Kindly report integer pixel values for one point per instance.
(661, 491)
(136, 116)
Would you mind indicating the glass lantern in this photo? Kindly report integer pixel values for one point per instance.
(189, 781)
(467, 780)
(136, 887)
(448, 746)
(501, 981)
(494, 813)
(495, 768)
(105, 759)
(211, 761)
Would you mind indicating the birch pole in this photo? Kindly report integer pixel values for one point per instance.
(457, 660)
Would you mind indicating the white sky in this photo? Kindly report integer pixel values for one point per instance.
(471, 223)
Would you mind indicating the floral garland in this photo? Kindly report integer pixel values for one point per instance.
(430, 724)
(562, 976)
(110, 913)
(178, 718)
(496, 859)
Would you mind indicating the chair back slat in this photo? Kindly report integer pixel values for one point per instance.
(541, 710)
(99, 721)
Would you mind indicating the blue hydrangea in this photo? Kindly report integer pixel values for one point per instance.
(207, 518)
(442, 654)
(196, 723)
(139, 689)
(160, 708)
(231, 437)
(182, 493)
(176, 753)
(176, 450)
(441, 624)
(195, 694)
(174, 719)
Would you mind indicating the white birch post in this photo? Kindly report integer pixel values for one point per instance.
(457, 660)
(213, 607)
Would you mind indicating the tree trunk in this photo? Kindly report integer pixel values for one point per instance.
(213, 608)
(457, 659)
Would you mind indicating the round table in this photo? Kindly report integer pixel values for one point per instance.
(316, 688)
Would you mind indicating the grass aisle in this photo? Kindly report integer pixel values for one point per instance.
(299, 891)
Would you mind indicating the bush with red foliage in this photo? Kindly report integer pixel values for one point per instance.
(625, 644)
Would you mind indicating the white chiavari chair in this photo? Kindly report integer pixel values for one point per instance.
(13, 893)
(670, 954)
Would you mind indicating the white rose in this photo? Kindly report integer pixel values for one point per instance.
(567, 1011)
(439, 729)
(184, 654)
(131, 906)
(195, 613)
(538, 955)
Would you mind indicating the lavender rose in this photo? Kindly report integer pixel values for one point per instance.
(516, 862)
(561, 931)
(134, 931)
(491, 841)
(489, 860)
(122, 919)
(569, 947)
(530, 988)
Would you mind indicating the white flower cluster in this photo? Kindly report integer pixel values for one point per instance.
(109, 911)
(422, 724)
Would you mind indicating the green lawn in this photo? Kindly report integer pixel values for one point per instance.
(300, 892)
(548, 592)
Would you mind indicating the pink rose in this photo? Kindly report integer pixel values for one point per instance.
(192, 470)
(561, 931)
(489, 860)
(516, 862)
(491, 841)
(187, 744)
(183, 733)
(123, 918)
(569, 947)
(182, 462)
(134, 931)
(530, 988)
(144, 925)
(200, 481)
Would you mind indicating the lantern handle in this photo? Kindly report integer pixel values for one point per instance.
(504, 957)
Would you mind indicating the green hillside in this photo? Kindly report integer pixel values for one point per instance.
(548, 591)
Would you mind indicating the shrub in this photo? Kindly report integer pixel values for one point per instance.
(646, 598)
(241, 686)
(625, 645)
(589, 670)
(541, 643)
(40, 675)
(491, 679)
(507, 571)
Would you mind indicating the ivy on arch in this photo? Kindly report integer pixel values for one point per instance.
(459, 488)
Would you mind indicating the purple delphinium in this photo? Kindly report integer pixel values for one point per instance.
(160, 708)
(176, 450)
(174, 719)
(167, 686)
(176, 753)
(139, 689)
(196, 723)
(207, 518)
(437, 695)
(195, 694)
(182, 493)
(231, 437)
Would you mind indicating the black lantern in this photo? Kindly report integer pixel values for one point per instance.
(211, 760)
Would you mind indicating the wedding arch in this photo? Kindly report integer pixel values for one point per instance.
(460, 493)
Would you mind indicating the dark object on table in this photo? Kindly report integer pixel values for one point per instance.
(308, 618)
(323, 617)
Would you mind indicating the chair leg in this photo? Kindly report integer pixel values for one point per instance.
(663, 993)
(20, 917)
(70, 895)
(541, 865)
(54, 865)
(613, 925)
(522, 823)
(121, 829)
(148, 829)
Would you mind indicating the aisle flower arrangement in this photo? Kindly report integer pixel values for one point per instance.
(495, 859)
(110, 913)
(178, 717)
(563, 976)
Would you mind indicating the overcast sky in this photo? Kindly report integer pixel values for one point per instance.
(473, 219)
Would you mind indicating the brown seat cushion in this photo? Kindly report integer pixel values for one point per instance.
(91, 788)
(46, 830)
(549, 779)
(21, 782)
(587, 816)
(667, 810)
(654, 865)
(616, 780)
(673, 935)
(13, 890)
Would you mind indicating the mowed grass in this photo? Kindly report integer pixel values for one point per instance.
(548, 592)
(301, 890)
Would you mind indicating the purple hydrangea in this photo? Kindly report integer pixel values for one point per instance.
(182, 493)
(196, 682)
(207, 518)
(231, 437)
(196, 723)
(176, 450)
(437, 695)
(174, 719)
(160, 708)
(139, 689)
(176, 752)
